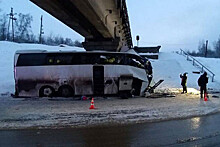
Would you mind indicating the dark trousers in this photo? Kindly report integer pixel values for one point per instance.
(149, 79)
(203, 90)
(184, 88)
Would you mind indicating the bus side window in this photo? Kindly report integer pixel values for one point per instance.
(122, 60)
(50, 60)
(58, 60)
(83, 59)
(76, 59)
(110, 59)
(127, 60)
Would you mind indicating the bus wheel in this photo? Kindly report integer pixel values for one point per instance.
(46, 91)
(65, 91)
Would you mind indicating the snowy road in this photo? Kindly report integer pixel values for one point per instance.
(61, 112)
(196, 131)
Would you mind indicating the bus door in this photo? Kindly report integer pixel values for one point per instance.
(98, 80)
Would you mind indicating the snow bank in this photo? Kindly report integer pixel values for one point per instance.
(170, 65)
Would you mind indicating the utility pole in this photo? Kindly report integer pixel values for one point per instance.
(137, 38)
(206, 48)
(11, 18)
(8, 34)
(41, 29)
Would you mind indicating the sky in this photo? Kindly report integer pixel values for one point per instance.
(173, 24)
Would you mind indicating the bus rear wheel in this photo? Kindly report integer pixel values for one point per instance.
(46, 91)
(65, 91)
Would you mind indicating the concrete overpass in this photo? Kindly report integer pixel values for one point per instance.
(103, 23)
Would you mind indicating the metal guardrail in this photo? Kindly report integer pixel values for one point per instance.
(196, 62)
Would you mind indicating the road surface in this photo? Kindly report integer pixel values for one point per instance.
(197, 131)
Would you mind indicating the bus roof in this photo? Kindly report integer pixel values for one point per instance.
(29, 51)
(68, 51)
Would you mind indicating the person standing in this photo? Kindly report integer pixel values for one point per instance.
(202, 81)
(183, 82)
(149, 70)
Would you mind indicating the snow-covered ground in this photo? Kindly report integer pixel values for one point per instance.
(171, 65)
(61, 112)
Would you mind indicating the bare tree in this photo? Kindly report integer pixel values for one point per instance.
(58, 40)
(201, 48)
(217, 47)
(69, 42)
(23, 27)
(49, 39)
(78, 44)
(3, 27)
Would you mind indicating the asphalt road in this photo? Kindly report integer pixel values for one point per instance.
(198, 131)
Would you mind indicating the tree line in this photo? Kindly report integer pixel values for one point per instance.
(23, 32)
(202, 52)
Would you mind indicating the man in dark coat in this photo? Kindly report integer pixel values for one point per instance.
(202, 81)
(183, 82)
(149, 70)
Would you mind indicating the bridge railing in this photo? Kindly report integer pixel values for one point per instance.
(197, 63)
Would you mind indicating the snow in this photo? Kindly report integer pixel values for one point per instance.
(171, 65)
(143, 54)
(62, 112)
(213, 64)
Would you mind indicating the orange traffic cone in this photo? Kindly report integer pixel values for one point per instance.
(92, 104)
(205, 97)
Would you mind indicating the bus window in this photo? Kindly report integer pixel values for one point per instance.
(50, 60)
(31, 60)
(76, 59)
(90, 59)
(64, 59)
(109, 59)
(134, 61)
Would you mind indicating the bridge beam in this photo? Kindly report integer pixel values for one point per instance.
(96, 20)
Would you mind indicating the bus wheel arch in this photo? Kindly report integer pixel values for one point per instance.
(46, 91)
(65, 91)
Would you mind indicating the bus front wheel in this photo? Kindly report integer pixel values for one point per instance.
(65, 91)
(46, 91)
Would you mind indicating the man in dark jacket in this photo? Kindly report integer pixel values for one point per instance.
(183, 82)
(149, 70)
(202, 81)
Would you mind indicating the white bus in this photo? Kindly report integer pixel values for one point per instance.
(67, 74)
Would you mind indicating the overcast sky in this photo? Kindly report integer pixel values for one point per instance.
(174, 24)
